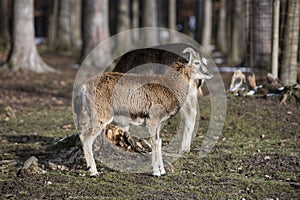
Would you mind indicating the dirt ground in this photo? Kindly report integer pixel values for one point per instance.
(257, 155)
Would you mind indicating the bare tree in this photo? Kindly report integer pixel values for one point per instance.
(236, 34)
(275, 35)
(135, 19)
(24, 54)
(76, 24)
(63, 33)
(288, 73)
(172, 17)
(4, 33)
(123, 24)
(207, 24)
(172, 14)
(262, 37)
(53, 20)
(150, 20)
(221, 35)
(94, 25)
(65, 24)
(200, 20)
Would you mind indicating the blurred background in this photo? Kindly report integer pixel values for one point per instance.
(260, 35)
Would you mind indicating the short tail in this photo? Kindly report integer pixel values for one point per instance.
(81, 107)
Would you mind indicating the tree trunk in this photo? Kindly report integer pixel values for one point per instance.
(262, 37)
(65, 25)
(290, 44)
(4, 32)
(24, 54)
(95, 27)
(221, 35)
(235, 50)
(151, 38)
(172, 18)
(63, 33)
(135, 19)
(76, 24)
(275, 41)
(207, 25)
(123, 25)
(53, 20)
(200, 21)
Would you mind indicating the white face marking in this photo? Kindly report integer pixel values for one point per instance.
(200, 67)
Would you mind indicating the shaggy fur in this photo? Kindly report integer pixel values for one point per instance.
(137, 99)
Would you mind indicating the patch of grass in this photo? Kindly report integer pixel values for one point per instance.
(33, 131)
(256, 157)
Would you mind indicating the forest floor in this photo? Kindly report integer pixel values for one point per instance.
(256, 157)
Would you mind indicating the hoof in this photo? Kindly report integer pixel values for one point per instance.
(162, 171)
(157, 176)
(156, 173)
(94, 174)
(184, 150)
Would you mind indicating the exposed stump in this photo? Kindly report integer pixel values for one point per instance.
(240, 87)
(292, 91)
(30, 166)
(126, 141)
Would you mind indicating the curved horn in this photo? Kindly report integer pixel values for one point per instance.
(192, 53)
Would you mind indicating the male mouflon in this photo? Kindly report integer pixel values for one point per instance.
(137, 99)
